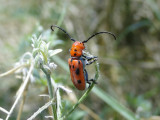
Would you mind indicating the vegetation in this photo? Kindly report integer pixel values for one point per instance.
(34, 73)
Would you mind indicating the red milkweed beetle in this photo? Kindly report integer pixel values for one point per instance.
(78, 60)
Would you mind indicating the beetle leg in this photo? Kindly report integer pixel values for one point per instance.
(93, 81)
(89, 81)
(86, 75)
(91, 61)
(89, 58)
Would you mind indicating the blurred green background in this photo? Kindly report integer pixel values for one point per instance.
(129, 67)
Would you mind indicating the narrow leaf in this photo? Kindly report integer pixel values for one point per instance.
(54, 52)
(116, 105)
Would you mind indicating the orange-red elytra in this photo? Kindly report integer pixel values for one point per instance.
(78, 60)
(76, 72)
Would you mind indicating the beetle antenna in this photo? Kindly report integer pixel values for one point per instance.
(99, 33)
(63, 31)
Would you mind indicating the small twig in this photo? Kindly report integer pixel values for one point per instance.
(22, 102)
(44, 95)
(49, 117)
(85, 94)
(12, 70)
(3, 110)
(21, 108)
(41, 109)
(21, 92)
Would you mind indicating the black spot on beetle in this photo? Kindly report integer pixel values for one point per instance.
(77, 71)
(73, 66)
(75, 54)
(79, 62)
(79, 81)
(75, 50)
(70, 66)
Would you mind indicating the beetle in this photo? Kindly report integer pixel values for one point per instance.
(79, 60)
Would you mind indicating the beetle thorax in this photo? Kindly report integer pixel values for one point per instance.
(76, 49)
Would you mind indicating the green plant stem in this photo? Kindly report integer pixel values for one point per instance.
(85, 94)
(50, 90)
(57, 99)
(80, 100)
